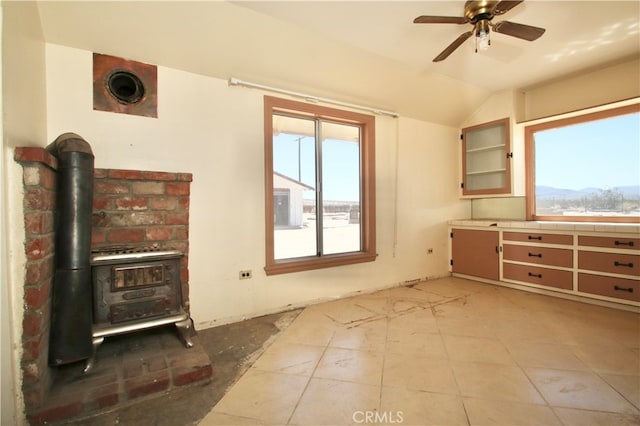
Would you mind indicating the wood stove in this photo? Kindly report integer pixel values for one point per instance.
(136, 289)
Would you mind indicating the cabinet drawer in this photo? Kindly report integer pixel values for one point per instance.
(538, 275)
(617, 263)
(610, 242)
(539, 255)
(612, 287)
(533, 237)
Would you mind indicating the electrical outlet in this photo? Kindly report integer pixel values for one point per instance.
(430, 251)
(246, 274)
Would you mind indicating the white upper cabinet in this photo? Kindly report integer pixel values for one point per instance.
(486, 159)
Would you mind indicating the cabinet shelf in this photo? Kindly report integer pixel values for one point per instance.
(486, 172)
(486, 148)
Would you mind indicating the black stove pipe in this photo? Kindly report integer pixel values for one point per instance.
(70, 338)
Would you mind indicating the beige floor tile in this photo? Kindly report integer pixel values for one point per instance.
(344, 311)
(438, 348)
(452, 287)
(490, 304)
(494, 314)
(351, 365)
(418, 373)
(421, 320)
(476, 349)
(578, 389)
(380, 306)
(535, 302)
(452, 308)
(586, 331)
(405, 306)
(486, 412)
(310, 328)
(290, 358)
(495, 382)
(411, 407)
(573, 417)
(409, 341)
(265, 396)
(220, 419)
(610, 358)
(524, 329)
(627, 386)
(369, 336)
(388, 293)
(562, 325)
(546, 355)
(334, 402)
(417, 294)
(464, 326)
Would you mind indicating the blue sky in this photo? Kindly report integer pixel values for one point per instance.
(341, 179)
(601, 154)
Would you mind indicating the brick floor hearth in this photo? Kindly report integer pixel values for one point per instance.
(127, 368)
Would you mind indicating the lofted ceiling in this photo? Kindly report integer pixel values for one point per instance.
(356, 51)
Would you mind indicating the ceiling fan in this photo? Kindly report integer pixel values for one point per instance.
(480, 14)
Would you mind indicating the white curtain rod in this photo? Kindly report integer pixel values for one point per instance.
(311, 98)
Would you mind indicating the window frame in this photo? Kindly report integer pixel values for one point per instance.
(529, 143)
(366, 123)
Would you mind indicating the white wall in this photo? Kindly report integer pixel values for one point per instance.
(215, 131)
(613, 83)
(23, 124)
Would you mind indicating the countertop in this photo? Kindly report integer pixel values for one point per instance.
(618, 228)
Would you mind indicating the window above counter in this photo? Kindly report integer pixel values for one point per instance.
(585, 167)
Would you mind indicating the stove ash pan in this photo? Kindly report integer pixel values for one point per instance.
(134, 291)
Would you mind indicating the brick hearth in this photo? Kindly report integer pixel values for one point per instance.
(128, 367)
(132, 208)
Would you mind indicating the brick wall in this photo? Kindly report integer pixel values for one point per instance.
(131, 208)
(39, 180)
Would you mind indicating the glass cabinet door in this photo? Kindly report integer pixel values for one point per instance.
(486, 159)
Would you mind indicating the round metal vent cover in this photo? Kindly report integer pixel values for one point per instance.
(125, 86)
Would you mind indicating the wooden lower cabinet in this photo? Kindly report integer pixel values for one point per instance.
(600, 265)
(538, 275)
(617, 243)
(539, 255)
(475, 253)
(619, 288)
(535, 237)
(615, 263)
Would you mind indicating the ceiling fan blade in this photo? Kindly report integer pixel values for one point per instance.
(505, 6)
(453, 46)
(525, 32)
(440, 20)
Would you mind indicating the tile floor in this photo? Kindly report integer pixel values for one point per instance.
(445, 352)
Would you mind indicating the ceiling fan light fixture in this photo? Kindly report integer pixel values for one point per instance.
(483, 40)
(480, 13)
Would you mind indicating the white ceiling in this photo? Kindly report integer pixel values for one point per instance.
(579, 35)
(356, 51)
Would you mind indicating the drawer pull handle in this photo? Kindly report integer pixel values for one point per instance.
(539, 237)
(535, 255)
(535, 275)
(622, 243)
(616, 288)
(628, 265)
